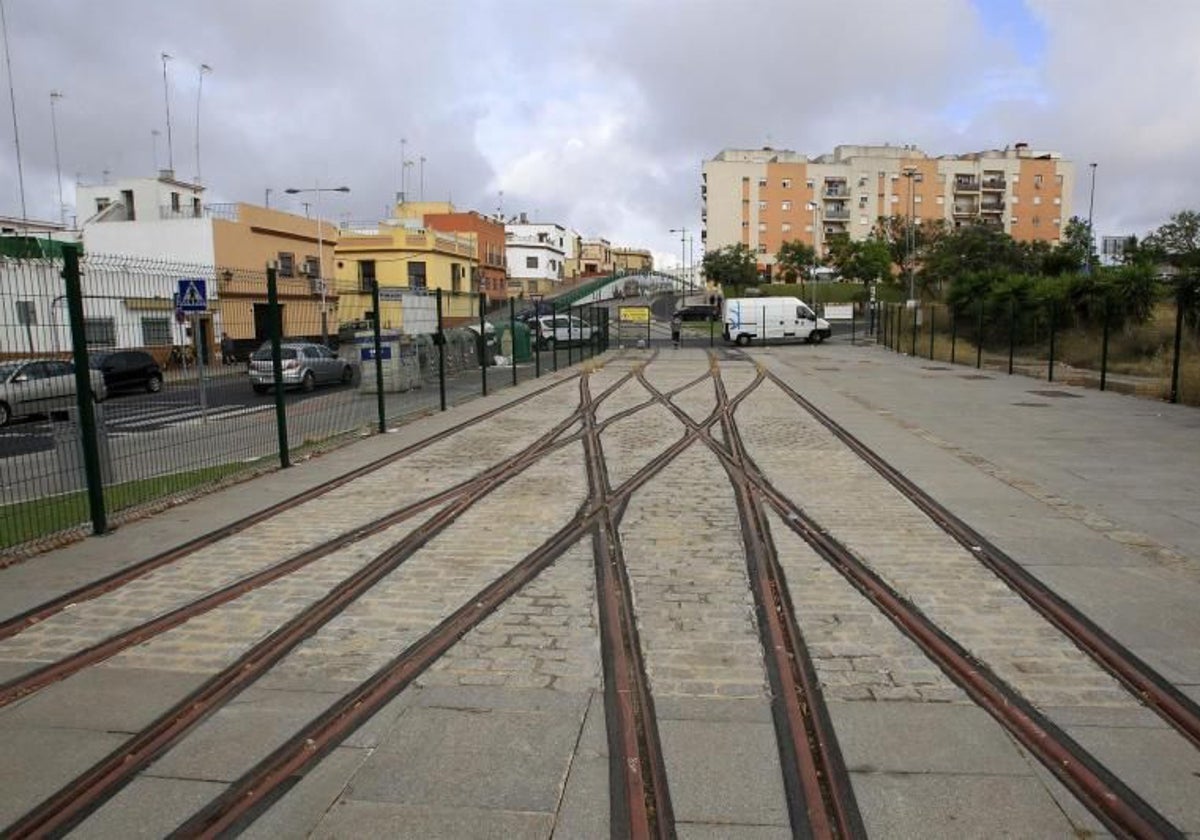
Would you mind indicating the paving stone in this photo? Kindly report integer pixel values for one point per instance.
(584, 811)
(148, 807)
(354, 818)
(304, 806)
(39, 761)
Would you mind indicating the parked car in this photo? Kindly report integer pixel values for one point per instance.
(41, 386)
(124, 369)
(305, 365)
(561, 330)
(697, 312)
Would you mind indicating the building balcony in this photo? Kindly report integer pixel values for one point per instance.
(966, 210)
(992, 207)
(994, 184)
(836, 190)
(841, 214)
(966, 185)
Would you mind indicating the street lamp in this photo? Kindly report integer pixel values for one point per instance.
(320, 250)
(1087, 266)
(815, 207)
(62, 208)
(910, 240)
(682, 255)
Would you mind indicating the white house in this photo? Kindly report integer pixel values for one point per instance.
(536, 255)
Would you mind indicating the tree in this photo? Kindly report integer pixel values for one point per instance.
(866, 260)
(893, 230)
(731, 265)
(796, 260)
(971, 249)
(1177, 243)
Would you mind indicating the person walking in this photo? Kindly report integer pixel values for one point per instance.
(227, 356)
(676, 326)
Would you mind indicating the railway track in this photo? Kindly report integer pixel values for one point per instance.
(816, 786)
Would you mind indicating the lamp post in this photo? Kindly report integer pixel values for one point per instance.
(682, 254)
(320, 250)
(1087, 266)
(910, 172)
(815, 207)
(13, 103)
(167, 102)
(204, 68)
(62, 208)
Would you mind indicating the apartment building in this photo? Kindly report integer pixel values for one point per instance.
(537, 256)
(596, 256)
(632, 259)
(762, 198)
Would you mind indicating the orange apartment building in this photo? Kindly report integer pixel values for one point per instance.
(489, 236)
(762, 198)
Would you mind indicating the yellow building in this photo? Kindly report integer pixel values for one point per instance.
(632, 259)
(406, 262)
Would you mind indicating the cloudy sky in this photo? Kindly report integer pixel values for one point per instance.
(593, 113)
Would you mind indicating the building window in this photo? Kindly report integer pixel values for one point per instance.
(1014, 220)
(786, 183)
(416, 275)
(531, 262)
(456, 277)
(174, 202)
(786, 227)
(101, 203)
(287, 264)
(762, 205)
(196, 212)
(100, 332)
(809, 183)
(1037, 199)
(1057, 200)
(862, 220)
(762, 182)
(941, 199)
(916, 199)
(366, 275)
(762, 249)
(156, 332)
(1058, 179)
(762, 227)
(312, 266)
(1037, 182)
(1015, 199)
(895, 199)
(787, 205)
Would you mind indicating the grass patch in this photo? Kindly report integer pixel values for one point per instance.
(27, 521)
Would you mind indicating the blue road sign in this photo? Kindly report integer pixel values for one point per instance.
(193, 295)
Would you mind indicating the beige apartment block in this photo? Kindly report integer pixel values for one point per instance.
(762, 198)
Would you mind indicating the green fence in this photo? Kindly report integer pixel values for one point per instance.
(183, 390)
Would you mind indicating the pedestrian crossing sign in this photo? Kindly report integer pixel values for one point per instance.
(193, 295)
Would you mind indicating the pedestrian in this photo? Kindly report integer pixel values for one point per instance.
(227, 356)
(676, 326)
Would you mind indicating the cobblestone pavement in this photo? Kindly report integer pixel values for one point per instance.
(505, 734)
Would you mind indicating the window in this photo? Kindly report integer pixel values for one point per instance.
(156, 331)
(416, 275)
(127, 200)
(312, 267)
(762, 182)
(762, 205)
(100, 332)
(785, 206)
(762, 249)
(941, 199)
(366, 275)
(196, 213)
(895, 199)
(862, 220)
(786, 227)
(1037, 199)
(786, 183)
(862, 201)
(1058, 179)
(1037, 182)
(809, 183)
(531, 262)
(101, 203)
(456, 277)
(1037, 221)
(287, 264)
(1015, 199)
(762, 227)
(1014, 220)
(1057, 200)
(174, 202)
(1058, 222)
(916, 199)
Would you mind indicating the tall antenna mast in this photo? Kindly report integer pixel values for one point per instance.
(167, 101)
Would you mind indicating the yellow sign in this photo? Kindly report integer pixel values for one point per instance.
(635, 315)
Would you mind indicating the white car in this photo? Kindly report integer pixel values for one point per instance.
(561, 330)
(41, 386)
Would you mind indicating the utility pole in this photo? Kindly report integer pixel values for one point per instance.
(13, 102)
(204, 68)
(1087, 266)
(910, 172)
(62, 208)
(167, 102)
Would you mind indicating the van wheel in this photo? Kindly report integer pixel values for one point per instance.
(5, 414)
(743, 340)
(816, 337)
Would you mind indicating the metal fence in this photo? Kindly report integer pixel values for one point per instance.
(128, 385)
(1158, 358)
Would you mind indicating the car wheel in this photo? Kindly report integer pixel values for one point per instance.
(154, 383)
(260, 389)
(5, 414)
(308, 382)
(743, 340)
(347, 375)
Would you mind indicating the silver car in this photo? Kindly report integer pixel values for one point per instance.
(305, 365)
(41, 386)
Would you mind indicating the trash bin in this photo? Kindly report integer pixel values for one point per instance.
(486, 345)
(515, 339)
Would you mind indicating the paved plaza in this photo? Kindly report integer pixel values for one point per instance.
(508, 732)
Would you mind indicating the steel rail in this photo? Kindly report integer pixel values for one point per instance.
(640, 806)
(1145, 683)
(272, 777)
(820, 799)
(15, 624)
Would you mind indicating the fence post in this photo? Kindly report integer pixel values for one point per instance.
(953, 334)
(1053, 325)
(512, 332)
(1178, 338)
(536, 338)
(852, 324)
(1104, 346)
(83, 391)
(375, 328)
(483, 342)
(932, 322)
(440, 337)
(979, 339)
(1012, 332)
(273, 323)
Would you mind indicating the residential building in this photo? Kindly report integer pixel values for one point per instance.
(632, 259)
(572, 249)
(596, 256)
(166, 221)
(537, 255)
(409, 264)
(490, 243)
(762, 198)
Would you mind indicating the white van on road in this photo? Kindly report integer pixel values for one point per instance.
(772, 319)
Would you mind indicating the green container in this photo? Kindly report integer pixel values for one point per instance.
(519, 342)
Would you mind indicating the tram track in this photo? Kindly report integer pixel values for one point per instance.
(1120, 808)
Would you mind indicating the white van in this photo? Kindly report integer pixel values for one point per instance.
(772, 319)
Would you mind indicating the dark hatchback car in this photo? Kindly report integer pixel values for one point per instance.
(697, 312)
(125, 370)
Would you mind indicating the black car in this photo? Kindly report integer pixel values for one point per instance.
(126, 369)
(696, 312)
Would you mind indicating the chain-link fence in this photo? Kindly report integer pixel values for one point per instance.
(193, 376)
(1158, 358)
